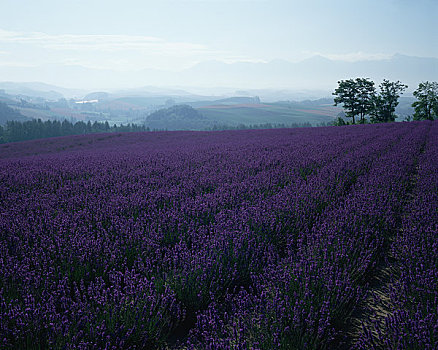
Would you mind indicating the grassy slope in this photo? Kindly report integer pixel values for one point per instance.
(274, 113)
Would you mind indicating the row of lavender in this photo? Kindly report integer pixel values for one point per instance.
(121, 242)
(413, 319)
(304, 301)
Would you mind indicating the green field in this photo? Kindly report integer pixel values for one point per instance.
(275, 113)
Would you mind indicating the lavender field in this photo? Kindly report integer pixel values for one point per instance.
(313, 238)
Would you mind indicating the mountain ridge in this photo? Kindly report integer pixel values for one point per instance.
(315, 73)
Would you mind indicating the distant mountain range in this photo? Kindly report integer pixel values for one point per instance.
(37, 89)
(316, 73)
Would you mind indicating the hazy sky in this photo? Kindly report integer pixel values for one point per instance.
(176, 34)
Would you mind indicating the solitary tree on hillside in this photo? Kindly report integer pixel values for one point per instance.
(427, 105)
(355, 96)
(386, 101)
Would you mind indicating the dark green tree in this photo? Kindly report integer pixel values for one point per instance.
(426, 108)
(386, 101)
(356, 97)
(66, 127)
(339, 121)
(366, 91)
(346, 93)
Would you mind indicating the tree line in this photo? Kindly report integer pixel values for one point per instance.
(36, 128)
(360, 98)
(220, 127)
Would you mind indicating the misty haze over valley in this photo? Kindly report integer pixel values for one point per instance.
(276, 93)
(236, 63)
